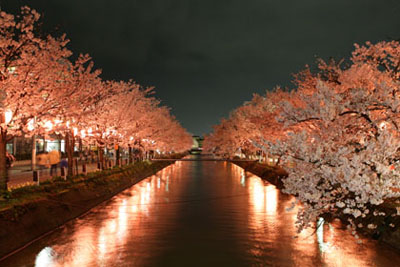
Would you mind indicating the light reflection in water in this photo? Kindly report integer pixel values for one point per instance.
(342, 250)
(167, 184)
(271, 226)
(123, 222)
(264, 197)
(243, 179)
(323, 246)
(263, 221)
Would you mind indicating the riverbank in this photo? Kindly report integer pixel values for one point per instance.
(271, 174)
(386, 228)
(33, 211)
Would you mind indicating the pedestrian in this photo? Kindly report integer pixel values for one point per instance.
(54, 159)
(9, 160)
(64, 163)
(63, 166)
(42, 160)
(9, 163)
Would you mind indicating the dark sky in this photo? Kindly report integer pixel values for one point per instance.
(207, 57)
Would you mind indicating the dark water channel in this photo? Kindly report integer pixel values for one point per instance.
(199, 214)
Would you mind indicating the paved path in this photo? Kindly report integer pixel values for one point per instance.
(22, 174)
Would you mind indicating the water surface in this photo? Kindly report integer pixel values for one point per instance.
(199, 214)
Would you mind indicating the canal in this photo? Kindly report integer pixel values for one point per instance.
(199, 213)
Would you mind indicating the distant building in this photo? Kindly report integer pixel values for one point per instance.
(197, 146)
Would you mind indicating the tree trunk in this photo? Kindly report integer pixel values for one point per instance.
(69, 147)
(117, 158)
(101, 157)
(72, 148)
(33, 159)
(80, 145)
(15, 146)
(3, 164)
(130, 154)
(278, 161)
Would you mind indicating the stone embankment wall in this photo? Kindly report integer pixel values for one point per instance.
(271, 174)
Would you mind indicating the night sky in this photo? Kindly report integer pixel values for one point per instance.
(207, 57)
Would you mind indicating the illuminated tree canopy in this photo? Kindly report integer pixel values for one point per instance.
(44, 92)
(336, 135)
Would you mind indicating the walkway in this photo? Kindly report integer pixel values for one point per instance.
(21, 173)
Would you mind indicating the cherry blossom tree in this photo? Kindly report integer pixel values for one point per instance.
(116, 114)
(249, 126)
(132, 117)
(30, 66)
(337, 134)
(43, 92)
(80, 88)
(346, 163)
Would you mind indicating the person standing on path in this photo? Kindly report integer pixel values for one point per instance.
(54, 159)
(9, 160)
(42, 161)
(9, 163)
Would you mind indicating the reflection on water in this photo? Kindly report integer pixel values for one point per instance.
(199, 214)
(123, 223)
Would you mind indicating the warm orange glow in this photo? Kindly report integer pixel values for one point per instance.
(335, 248)
(271, 198)
(48, 125)
(8, 116)
(31, 125)
(264, 196)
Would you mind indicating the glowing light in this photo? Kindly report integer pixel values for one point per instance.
(8, 116)
(382, 125)
(83, 134)
(258, 195)
(122, 220)
(75, 131)
(272, 199)
(11, 69)
(134, 208)
(45, 257)
(323, 247)
(243, 179)
(31, 125)
(48, 125)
